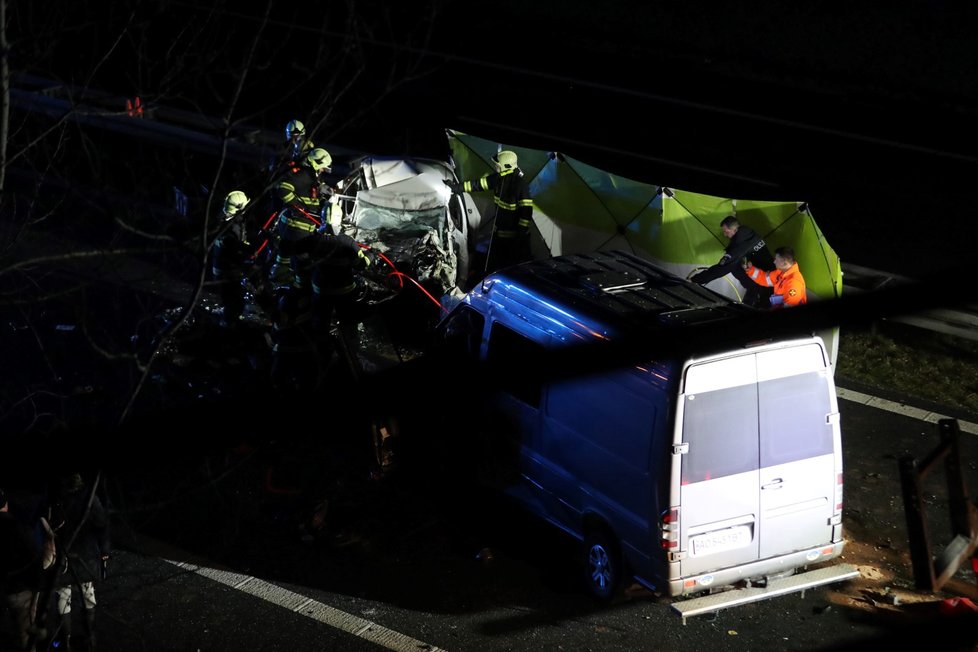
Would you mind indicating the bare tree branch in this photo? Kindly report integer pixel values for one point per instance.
(205, 228)
(76, 255)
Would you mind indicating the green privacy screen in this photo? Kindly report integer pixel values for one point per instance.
(581, 208)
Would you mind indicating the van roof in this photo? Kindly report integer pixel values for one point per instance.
(625, 308)
(633, 305)
(621, 290)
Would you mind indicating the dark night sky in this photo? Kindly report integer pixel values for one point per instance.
(865, 112)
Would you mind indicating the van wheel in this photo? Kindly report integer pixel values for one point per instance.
(605, 573)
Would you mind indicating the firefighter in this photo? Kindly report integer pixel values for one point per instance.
(301, 195)
(297, 145)
(512, 214)
(230, 256)
(336, 261)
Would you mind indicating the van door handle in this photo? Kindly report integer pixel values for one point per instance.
(775, 484)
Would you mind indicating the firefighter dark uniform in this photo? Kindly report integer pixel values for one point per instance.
(300, 198)
(510, 243)
(229, 258)
(298, 143)
(297, 147)
(336, 260)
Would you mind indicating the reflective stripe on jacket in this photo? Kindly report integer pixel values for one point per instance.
(300, 187)
(789, 284)
(514, 207)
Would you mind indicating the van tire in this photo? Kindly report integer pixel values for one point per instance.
(604, 571)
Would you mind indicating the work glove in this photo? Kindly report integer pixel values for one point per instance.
(776, 300)
(453, 186)
(695, 278)
(365, 257)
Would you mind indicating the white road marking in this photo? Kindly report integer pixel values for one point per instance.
(900, 408)
(388, 638)
(323, 613)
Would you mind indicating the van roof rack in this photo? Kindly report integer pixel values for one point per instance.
(617, 287)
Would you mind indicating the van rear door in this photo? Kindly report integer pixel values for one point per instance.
(800, 449)
(719, 498)
(760, 457)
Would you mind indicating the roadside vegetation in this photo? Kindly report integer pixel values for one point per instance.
(912, 361)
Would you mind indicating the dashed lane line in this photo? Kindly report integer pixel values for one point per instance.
(305, 606)
(900, 408)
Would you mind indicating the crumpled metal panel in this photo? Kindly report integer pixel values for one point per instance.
(403, 213)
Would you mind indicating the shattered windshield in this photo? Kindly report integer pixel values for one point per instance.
(380, 223)
(415, 242)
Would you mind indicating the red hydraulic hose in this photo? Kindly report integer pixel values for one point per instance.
(427, 294)
(269, 221)
(265, 241)
(401, 276)
(270, 218)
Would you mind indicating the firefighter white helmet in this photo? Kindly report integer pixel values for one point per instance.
(294, 128)
(319, 160)
(234, 203)
(505, 160)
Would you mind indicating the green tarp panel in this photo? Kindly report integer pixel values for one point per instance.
(581, 208)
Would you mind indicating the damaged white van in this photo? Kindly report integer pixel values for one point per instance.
(717, 470)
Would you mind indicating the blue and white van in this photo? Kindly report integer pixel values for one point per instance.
(715, 469)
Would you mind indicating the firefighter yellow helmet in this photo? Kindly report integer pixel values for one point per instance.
(294, 128)
(505, 160)
(319, 160)
(234, 203)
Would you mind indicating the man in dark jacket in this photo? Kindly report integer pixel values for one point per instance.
(744, 244)
(81, 524)
(21, 563)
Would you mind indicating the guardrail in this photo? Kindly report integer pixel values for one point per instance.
(961, 322)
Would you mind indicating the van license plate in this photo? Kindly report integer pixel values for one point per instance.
(721, 540)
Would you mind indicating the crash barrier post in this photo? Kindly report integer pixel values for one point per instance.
(932, 575)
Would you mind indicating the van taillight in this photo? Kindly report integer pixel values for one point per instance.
(838, 493)
(669, 526)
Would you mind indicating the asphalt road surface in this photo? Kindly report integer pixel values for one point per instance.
(214, 555)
